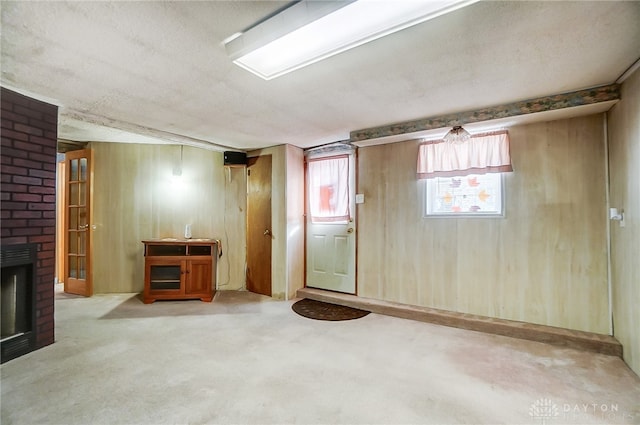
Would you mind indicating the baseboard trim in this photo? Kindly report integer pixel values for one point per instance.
(586, 341)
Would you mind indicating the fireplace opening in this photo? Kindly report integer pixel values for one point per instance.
(17, 300)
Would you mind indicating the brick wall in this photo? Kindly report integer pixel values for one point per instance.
(28, 192)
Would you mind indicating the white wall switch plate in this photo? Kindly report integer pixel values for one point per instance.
(359, 198)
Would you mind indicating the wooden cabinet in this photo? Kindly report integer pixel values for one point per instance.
(179, 269)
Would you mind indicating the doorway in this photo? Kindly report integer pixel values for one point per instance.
(259, 236)
(331, 223)
(74, 222)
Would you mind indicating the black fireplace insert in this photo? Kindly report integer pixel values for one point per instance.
(17, 300)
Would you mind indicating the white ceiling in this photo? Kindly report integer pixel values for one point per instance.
(158, 71)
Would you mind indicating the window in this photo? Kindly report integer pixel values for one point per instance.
(328, 190)
(470, 195)
(464, 177)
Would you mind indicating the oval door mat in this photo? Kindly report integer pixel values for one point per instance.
(324, 311)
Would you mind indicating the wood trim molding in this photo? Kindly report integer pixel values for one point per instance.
(542, 104)
(586, 341)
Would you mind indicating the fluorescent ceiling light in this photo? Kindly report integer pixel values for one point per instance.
(309, 31)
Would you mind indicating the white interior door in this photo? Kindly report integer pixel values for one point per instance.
(331, 223)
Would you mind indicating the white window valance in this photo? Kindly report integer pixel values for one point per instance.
(480, 154)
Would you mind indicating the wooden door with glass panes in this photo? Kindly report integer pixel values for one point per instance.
(78, 226)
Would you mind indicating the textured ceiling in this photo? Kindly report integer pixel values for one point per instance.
(157, 71)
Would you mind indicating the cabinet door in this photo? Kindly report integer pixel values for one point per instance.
(198, 277)
(164, 275)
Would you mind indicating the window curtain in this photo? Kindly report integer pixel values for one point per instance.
(480, 154)
(328, 180)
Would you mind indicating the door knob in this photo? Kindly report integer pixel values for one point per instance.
(266, 232)
(350, 230)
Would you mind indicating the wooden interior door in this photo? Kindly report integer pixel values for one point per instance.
(77, 204)
(259, 235)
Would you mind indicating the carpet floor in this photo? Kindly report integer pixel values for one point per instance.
(245, 358)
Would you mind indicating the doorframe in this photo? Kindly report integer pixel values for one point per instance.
(355, 211)
(60, 258)
(350, 150)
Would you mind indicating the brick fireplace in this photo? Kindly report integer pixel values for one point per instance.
(28, 199)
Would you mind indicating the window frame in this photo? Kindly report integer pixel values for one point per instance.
(430, 198)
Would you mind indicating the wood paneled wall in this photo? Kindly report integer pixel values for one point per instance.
(624, 160)
(136, 197)
(545, 262)
(295, 220)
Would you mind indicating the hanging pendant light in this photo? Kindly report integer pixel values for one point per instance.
(457, 135)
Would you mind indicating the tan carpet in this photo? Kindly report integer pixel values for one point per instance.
(248, 359)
